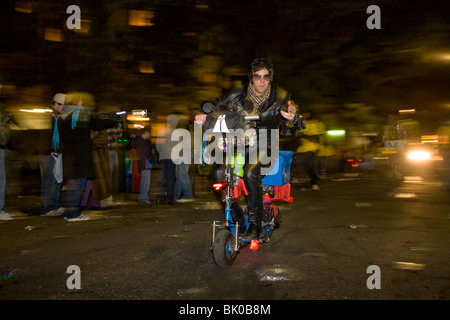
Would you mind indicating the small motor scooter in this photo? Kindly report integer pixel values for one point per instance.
(226, 234)
(228, 183)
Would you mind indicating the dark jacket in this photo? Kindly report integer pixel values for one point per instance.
(144, 152)
(46, 138)
(4, 127)
(77, 145)
(270, 116)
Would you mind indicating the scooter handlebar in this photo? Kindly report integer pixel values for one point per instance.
(252, 118)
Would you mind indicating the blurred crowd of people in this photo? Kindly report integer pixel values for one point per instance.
(80, 154)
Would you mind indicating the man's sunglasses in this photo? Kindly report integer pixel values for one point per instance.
(257, 77)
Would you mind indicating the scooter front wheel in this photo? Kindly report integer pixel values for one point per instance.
(223, 249)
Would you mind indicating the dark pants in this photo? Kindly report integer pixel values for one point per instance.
(168, 176)
(312, 166)
(74, 194)
(252, 180)
(50, 188)
(253, 183)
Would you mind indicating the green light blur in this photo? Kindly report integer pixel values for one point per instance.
(336, 132)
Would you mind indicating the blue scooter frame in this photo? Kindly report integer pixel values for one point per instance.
(226, 241)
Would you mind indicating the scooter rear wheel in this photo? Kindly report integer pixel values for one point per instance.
(223, 249)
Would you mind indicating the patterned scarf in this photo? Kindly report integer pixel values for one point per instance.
(257, 101)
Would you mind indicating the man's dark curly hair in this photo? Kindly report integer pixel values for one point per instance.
(258, 64)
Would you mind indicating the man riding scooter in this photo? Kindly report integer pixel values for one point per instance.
(276, 111)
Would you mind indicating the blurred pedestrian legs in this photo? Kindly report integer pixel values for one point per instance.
(183, 189)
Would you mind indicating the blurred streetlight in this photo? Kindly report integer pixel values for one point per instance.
(37, 110)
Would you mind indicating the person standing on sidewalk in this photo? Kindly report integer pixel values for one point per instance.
(75, 125)
(5, 121)
(183, 188)
(164, 145)
(49, 155)
(310, 143)
(146, 161)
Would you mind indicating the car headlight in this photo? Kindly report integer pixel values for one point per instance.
(419, 155)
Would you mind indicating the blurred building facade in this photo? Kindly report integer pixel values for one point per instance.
(168, 56)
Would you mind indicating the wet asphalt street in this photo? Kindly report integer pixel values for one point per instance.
(322, 251)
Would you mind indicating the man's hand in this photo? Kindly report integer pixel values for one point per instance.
(292, 111)
(292, 107)
(287, 115)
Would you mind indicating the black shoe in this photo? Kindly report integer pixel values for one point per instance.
(253, 232)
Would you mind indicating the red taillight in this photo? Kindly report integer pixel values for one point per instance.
(254, 245)
(218, 186)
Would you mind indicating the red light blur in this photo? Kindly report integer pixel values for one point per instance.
(218, 186)
(254, 245)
